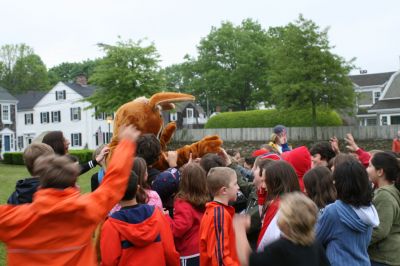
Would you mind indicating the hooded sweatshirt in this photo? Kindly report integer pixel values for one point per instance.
(345, 232)
(24, 190)
(300, 159)
(57, 227)
(138, 235)
(385, 242)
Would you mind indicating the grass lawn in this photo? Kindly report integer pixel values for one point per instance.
(9, 174)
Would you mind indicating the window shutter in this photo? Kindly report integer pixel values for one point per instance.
(80, 139)
(79, 113)
(72, 140)
(59, 116)
(48, 117)
(32, 119)
(52, 117)
(97, 138)
(41, 118)
(56, 95)
(64, 94)
(72, 118)
(25, 119)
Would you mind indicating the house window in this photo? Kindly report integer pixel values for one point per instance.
(29, 119)
(76, 139)
(384, 120)
(60, 95)
(75, 113)
(56, 116)
(99, 116)
(44, 117)
(20, 142)
(189, 113)
(395, 120)
(5, 113)
(377, 94)
(371, 122)
(173, 116)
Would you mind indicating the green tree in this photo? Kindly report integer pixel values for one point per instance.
(21, 69)
(127, 71)
(67, 72)
(304, 72)
(230, 69)
(29, 73)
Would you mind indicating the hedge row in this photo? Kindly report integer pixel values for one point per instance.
(273, 117)
(16, 157)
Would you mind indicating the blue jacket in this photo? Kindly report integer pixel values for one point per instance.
(345, 232)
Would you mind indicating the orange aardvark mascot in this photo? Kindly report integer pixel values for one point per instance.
(145, 115)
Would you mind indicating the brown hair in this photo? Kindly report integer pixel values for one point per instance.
(140, 169)
(219, 177)
(341, 158)
(56, 171)
(261, 163)
(280, 178)
(211, 160)
(55, 139)
(97, 151)
(33, 151)
(319, 186)
(297, 218)
(193, 186)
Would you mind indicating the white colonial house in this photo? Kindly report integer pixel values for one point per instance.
(8, 110)
(62, 108)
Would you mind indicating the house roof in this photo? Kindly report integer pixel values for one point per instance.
(386, 104)
(182, 105)
(85, 91)
(29, 99)
(371, 79)
(6, 96)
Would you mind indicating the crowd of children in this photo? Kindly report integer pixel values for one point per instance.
(279, 206)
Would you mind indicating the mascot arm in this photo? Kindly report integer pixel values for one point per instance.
(209, 144)
(167, 134)
(198, 149)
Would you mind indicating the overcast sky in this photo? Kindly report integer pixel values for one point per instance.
(67, 31)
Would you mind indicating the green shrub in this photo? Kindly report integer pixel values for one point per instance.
(83, 155)
(271, 118)
(13, 158)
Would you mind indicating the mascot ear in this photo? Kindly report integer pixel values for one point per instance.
(165, 99)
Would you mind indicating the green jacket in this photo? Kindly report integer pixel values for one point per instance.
(385, 241)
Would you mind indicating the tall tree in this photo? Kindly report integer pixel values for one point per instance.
(21, 69)
(128, 70)
(303, 70)
(29, 73)
(67, 72)
(230, 69)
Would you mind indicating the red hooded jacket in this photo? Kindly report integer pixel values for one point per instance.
(138, 235)
(300, 159)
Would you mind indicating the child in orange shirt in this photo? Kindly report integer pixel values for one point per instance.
(217, 237)
(57, 227)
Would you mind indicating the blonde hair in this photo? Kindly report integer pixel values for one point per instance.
(219, 177)
(56, 171)
(33, 151)
(297, 218)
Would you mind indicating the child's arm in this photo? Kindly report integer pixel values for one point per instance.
(115, 181)
(110, 245)
(223, 233)
(182, 220)
(171, 255)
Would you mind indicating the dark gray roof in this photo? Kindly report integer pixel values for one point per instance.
(371, 79)
(6, 96)
(29, 99)
(386, 104)
(85, 91)
(179, 106)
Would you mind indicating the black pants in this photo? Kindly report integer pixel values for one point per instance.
(194, 261)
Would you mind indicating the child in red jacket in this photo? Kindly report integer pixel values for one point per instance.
(217, 238)
(189, 208)
(137, 234)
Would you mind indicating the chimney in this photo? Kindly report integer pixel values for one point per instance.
(81, 80)
(363, 71)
